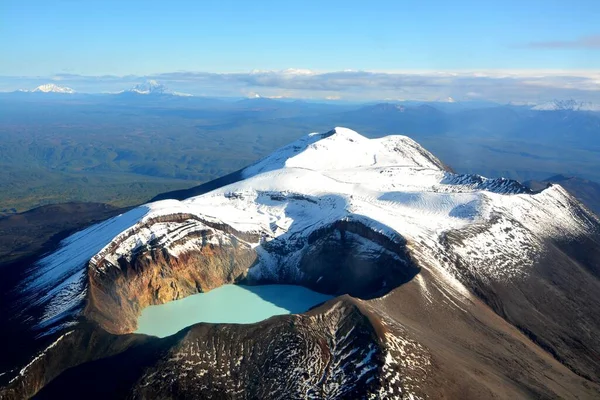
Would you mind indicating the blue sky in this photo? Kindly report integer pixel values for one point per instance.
(143, 37)
(149, 38)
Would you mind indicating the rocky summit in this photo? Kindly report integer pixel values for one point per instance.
(446, 285)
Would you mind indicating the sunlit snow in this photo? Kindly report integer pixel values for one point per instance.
(391, 185)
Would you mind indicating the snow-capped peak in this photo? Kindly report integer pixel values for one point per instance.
(343, 148)
(52, 88)
(153, 87)
(148, 87)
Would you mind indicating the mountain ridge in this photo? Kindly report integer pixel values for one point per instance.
(587, 191)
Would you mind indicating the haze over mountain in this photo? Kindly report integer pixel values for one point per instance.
(507, 279)
(567, 105)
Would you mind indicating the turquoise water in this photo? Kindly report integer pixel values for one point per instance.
(227, 304)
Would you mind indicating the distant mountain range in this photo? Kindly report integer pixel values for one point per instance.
(153, 87)
(567, 105)
(149, 87)
(49, 88)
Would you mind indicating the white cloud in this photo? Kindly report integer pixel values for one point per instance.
(494, 85)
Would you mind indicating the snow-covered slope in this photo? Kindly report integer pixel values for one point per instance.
(52, 88)
(58, 283)
(391, 186)
(343, 149)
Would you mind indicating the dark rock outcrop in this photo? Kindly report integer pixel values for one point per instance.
(349, 257)
(338, 351)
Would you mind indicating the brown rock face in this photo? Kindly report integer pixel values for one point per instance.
(118, 295)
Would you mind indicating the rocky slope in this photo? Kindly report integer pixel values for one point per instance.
(461, 286)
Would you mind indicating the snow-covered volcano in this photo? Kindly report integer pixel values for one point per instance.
(427, 252)
(391, 186)
(52, 88)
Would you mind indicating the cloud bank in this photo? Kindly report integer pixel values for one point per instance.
(499, 86)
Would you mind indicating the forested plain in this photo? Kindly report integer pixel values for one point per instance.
(123, 150)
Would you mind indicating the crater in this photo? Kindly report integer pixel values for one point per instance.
(237, 304)
(344, 257)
